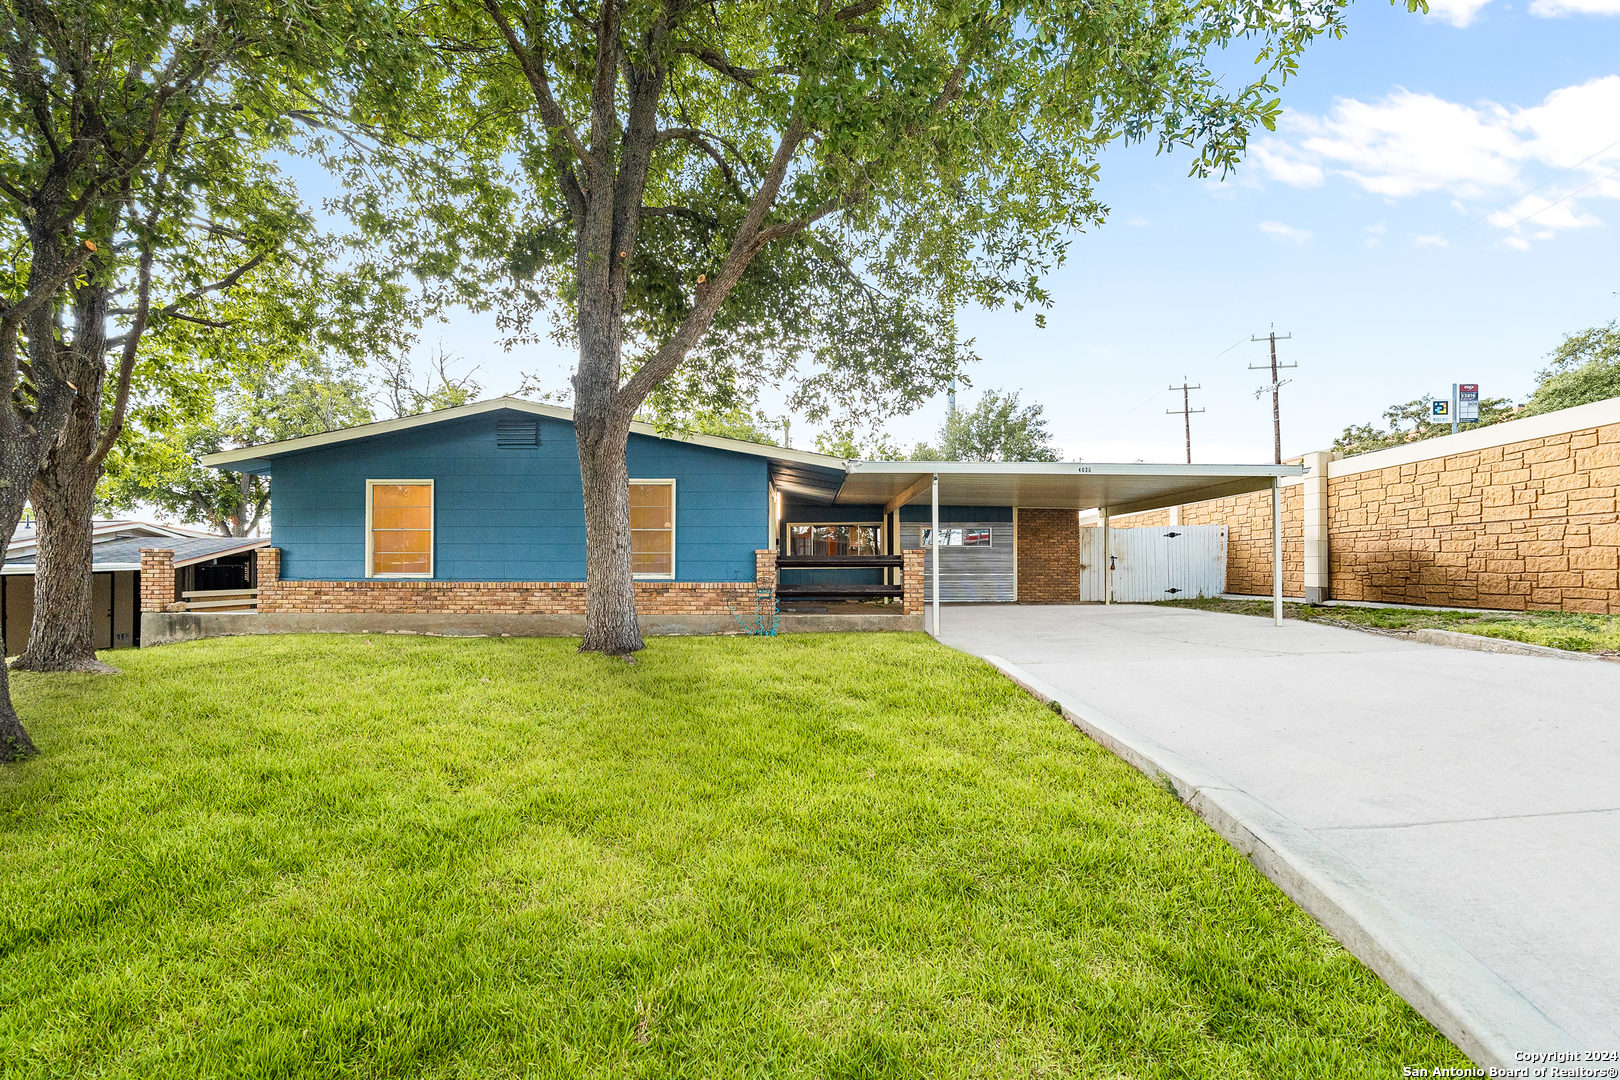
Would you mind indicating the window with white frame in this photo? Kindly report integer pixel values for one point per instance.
(652, 528)
(399, 528)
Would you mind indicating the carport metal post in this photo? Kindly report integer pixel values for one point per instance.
(1108, 556)
(935, 546)
(1276, 550)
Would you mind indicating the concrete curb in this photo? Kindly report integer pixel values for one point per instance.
(1471, 1005)
(1451, 639)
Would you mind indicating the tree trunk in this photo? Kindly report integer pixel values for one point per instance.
(610, 597)
(62, 637)
(63, 492)
(602, 433)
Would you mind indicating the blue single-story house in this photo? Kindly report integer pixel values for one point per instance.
(471, 519)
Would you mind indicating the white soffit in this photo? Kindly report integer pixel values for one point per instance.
(1123, 489)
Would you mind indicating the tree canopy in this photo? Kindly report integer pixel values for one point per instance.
(1584, 368)
(995, 429)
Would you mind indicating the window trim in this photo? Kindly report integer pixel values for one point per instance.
(789, 526)
(673, 524)
(433, 532)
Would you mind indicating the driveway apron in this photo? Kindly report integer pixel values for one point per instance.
(1482, 790)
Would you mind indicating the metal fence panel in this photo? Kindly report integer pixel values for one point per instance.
(1167, 563)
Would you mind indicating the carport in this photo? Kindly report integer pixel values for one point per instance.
(1108, 489)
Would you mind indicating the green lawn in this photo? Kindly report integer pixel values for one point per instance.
(818, 856)
(1555, 629)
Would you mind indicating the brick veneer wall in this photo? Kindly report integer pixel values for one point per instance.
(1530, 525)
(1048, 556)
(911, 579)
(278, 597)
(157, 579)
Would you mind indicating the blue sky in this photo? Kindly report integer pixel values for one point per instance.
(1437, 206)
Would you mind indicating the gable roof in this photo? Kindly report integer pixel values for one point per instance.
(1122, 488)
(124, 552)
(258, 458)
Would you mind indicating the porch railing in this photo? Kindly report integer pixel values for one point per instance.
(221, 600)
(837, 590)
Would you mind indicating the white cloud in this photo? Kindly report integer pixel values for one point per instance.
(1460, 13)
(1284, 232)
(1406, 144)
(1550, 9)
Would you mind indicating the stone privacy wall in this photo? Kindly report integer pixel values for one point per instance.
(1248, 538)
(157, 579)
(1048, 556)
(1529, 525)
(1526, 525)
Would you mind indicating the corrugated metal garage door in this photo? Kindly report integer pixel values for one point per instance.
(1170, 563)
(981, 572)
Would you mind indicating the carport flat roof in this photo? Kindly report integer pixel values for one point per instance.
(1120, 489)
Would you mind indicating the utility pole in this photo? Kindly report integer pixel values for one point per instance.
(1186, 411)
(1276, 385)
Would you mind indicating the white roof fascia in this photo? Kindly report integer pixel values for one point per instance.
(1541, 426)
(461, 412)
(1068, 468)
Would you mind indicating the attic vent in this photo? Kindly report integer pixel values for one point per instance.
(517, 434)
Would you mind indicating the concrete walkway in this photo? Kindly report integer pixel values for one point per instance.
(1481, 790)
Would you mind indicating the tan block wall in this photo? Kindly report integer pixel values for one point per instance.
(1530, 525)
(1048, 556)
(1148, 519)
(157, 579)
(1248, 538)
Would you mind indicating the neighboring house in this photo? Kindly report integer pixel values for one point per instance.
(476, 514)
(202, 561)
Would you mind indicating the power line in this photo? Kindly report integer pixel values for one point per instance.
(1521, 195)
(1186, 411)
(1543, 210)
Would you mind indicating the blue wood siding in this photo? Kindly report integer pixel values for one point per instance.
(511, 514)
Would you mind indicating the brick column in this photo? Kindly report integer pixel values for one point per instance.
(765, 569)
(157, 578)
(912, 579)
(267, 576)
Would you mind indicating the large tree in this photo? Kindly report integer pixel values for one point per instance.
(188, 101)
(134, 181)
(88, 106)
(995, 429)
(724, 191)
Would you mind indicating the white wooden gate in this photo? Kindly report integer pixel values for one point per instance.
(1168, 563)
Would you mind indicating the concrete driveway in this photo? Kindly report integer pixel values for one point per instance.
(1482, 790)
